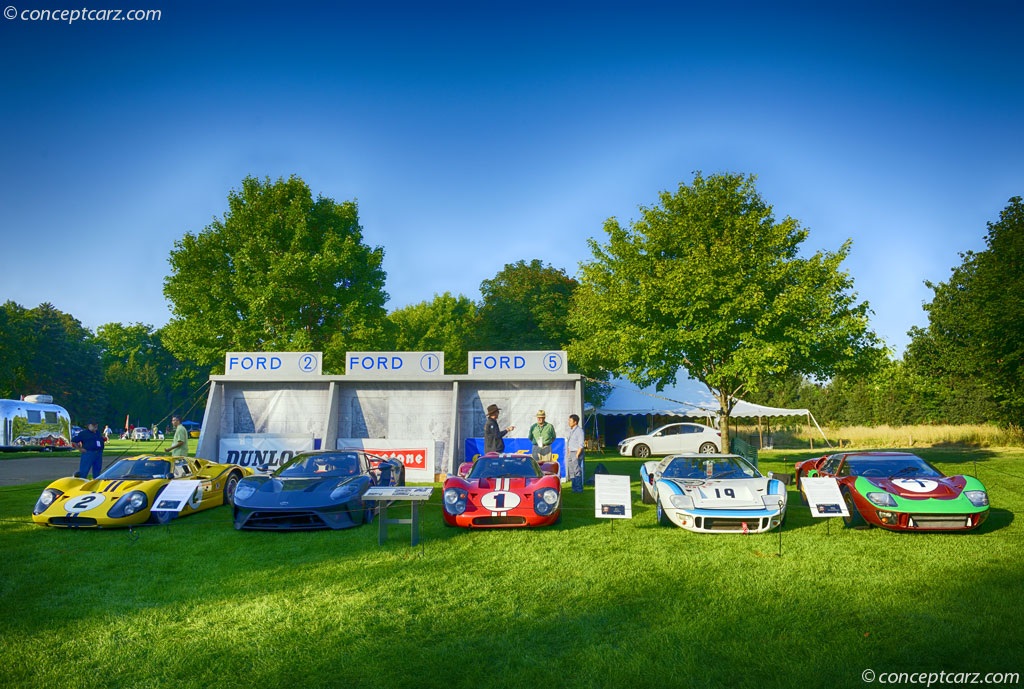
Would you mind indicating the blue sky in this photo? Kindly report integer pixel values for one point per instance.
(477, 134)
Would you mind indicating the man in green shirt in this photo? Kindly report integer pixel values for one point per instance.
(179, 448)
(542, 434)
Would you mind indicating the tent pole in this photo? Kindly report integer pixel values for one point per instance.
(811, 417)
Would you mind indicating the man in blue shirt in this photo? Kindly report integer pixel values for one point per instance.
(90, 442)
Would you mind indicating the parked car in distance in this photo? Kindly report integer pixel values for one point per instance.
(142, 433)
(673, 439)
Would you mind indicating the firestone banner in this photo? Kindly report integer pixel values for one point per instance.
(416, 455)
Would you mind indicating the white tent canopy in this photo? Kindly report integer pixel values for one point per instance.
(687, 397)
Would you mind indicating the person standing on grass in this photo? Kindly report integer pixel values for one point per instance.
(542, 435)
(574, 454)
(179, 448)
(90, 442)
(494, 437)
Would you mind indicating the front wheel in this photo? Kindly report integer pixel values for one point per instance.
(663, 519)
(855, 520)
(642, 451)
(229, 489)
(645, 493)
(708, 449)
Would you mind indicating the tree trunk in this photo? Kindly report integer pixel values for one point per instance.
(723, 420)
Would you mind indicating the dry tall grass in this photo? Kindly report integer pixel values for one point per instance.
(865, 437)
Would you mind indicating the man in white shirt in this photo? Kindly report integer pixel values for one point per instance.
(574, 454)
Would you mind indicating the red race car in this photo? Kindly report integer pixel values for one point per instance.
(900, 491)
(503, 490)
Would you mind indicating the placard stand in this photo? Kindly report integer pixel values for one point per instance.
(824, 498)
(385, 496)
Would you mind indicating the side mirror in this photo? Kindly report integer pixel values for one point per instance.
(263, 468)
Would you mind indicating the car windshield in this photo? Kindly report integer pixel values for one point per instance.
(321, 465)
(906, 466)
(709, 467)
(137, 468)
(519, 466)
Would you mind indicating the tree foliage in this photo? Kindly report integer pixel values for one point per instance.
(143, 380)
(709, 281)
(280, 271)
(445, 324)
(526, 307)
(46, 351)
(974, 336)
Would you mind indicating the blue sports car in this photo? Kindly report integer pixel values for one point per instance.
(315, 490)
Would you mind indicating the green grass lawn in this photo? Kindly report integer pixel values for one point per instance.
(588, 603)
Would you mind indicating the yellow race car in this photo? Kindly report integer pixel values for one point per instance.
(129, 490)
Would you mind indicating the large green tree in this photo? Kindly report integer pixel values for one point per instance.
(44, 350)
(525, 306)
(446, 323)
(280, 271)
(709, 281)
(974, 335)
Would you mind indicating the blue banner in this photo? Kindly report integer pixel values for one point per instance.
(475, 448)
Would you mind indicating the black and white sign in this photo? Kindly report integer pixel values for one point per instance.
(175, 496)
(824, 497)
(612, 497)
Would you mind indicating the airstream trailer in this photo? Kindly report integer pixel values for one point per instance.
(34, 423)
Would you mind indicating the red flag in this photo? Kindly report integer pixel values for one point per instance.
(126, 422)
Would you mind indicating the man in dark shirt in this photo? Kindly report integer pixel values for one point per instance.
(494, 437)
(90, 442)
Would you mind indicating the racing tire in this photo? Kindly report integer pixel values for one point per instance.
(663, 519)
(645, 494)
(159, 518)
(229, 488)
(855, 520)
(641, 451)
(708, 449)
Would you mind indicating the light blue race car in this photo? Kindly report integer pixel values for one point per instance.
(713, 494)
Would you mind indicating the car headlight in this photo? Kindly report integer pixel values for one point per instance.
(545, 501)
(244, 490)
(46, 499)
(978, 498)
(455, 500)
(345, 491)
(881, 499)
(129, 504)
(682, 502)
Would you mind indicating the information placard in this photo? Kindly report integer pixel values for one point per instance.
(612, 497)
(398, 493)
(824, 497)
(175, 496)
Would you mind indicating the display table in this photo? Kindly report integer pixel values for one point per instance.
(387, 495)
